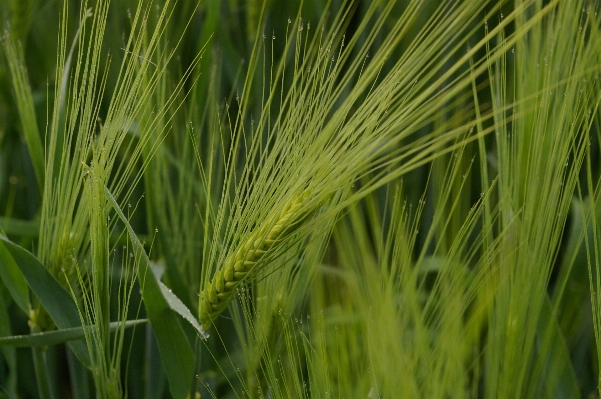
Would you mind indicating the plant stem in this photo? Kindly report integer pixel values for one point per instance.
(41, 372)
(79, 377)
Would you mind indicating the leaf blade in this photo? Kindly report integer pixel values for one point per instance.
(13, 279)
(176, 354)
(48, 338)
(55, 299)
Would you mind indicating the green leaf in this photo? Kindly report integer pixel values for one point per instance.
(560, 378)
(176, 354)
(178, 306)
(55, 299)
(14, 279)
(10, 354)
(25, 228)
(174, 278)
(25, 107)
(154, 373)
(60, 336)
(79, 377)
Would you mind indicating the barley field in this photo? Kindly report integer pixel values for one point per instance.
(300, 199)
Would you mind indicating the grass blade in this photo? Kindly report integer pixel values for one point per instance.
(55, 299)
(176, 354)
(24, 100)
(27, 228)
(557, 367)
(178, 306)
(79, 377)
(60, 336)
(14, 279)
(10, 354)
(154, 373)
(41, 372)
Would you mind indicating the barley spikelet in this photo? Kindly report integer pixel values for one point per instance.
(219, 292)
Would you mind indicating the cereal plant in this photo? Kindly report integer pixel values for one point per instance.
(300, 199)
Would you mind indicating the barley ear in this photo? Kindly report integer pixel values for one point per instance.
(217, 295)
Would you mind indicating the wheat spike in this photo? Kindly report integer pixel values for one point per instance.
(219, 292)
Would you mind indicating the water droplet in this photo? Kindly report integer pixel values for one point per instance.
(156, 230)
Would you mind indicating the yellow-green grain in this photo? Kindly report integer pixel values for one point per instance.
(217, 295)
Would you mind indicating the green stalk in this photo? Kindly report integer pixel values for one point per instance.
(107, 386)
(25, 107)
(41, 372)
(79, 377)
(100, 269)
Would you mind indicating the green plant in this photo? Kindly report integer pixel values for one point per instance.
(361, 199)
(217, 295)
